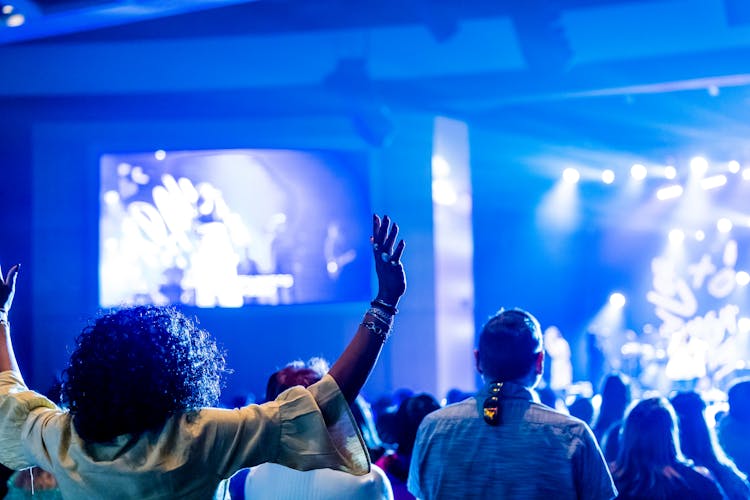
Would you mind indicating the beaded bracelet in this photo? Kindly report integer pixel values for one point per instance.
(381, 333)
(383, 316)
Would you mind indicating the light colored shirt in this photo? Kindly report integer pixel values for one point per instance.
(194, 451)
(276, 482)
(535, 452)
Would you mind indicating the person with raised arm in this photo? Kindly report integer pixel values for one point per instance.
(139, 388)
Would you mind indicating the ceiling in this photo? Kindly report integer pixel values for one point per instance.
(656, 74)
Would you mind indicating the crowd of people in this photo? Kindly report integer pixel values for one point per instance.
(137, 417)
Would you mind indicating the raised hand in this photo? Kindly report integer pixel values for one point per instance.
(388, 266)
(8, 288)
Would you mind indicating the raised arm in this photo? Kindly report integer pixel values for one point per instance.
(7, 289)
(355, 364)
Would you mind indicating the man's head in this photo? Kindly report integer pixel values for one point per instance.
(510, 348)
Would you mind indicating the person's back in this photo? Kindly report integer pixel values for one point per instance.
(685, 483)
(650, 464)
(734, 428)
(275, 482)
(536, 452)
(502, 443)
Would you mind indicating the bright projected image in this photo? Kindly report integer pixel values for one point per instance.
(228, 228)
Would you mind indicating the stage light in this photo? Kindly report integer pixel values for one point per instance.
(124, 169)
(571, 175)
(7, 9)
(440, 166)
(700, 235)
(111, 197)
(713, 182)
(608, 176)
(443, 192)
(638, 172)
(742, 278)
(160, 154)
(669, 192)
(670, 172)
(733, 166)
(724, 225)
(699, 165)
(15, 20)
(617, 300)
(676, 236)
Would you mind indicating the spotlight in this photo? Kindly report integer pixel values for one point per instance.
(608, 176)
(699, 165)
(571, 175)
(638, 172)
(676, 236)
(742, 278)
(700, 235)
(724, 225)
(734, 166)
(15, 20)
(713, 181)
(669, 192)
(7, 9)
(617, 300)
(160, 154)
(670, 172)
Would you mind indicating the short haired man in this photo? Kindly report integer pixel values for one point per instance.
(502, 443)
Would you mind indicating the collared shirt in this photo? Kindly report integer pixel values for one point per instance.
(535, 452)
(194, 451)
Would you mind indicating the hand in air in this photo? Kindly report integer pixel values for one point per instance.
(8, 288)
(388, 266)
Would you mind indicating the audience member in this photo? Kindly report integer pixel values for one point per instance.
(277, 482)
(698, 443)
(650, 465)
(456, 396)
(734, 427)
(363, 416)
(582, 408)
(615, 395)
(611, 442)
(407, 419)
(138, 385)
(502, 443)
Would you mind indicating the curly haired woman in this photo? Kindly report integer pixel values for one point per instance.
(139, 386)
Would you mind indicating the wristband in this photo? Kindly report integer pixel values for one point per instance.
(385, 306)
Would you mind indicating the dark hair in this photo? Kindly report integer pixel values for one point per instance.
(508, 345)
(615, 393)
(409, 415)
(134, 368)
(582, 408)
(294, 374)
(649, 448)
(696, 439)
(739, 400)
